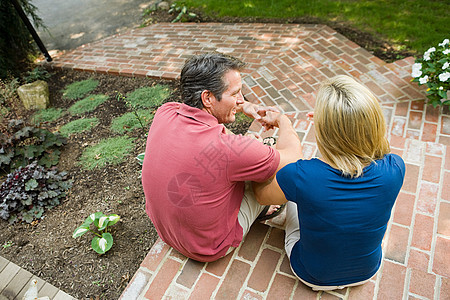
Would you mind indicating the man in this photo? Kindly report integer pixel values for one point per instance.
(194, 174)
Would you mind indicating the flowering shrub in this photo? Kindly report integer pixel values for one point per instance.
(433, 69)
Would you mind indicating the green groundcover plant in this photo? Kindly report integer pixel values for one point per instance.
(88, 104)
(131, 120)
(47, 115)
(80, 89)
(433, 69)
(103, 240)
(110, 151)
(78, 126)
(148, 97)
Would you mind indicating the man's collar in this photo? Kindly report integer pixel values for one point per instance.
(197, 114)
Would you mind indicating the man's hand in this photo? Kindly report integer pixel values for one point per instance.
(271, 120)
(256, 111)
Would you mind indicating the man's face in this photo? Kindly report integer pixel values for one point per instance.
(225, 109)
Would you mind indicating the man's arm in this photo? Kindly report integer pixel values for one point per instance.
(290, 149)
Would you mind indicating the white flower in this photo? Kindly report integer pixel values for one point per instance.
(444, 76)
(446, 51)
(441, 88)
(426, 55)
(446, 65)
(445, 42)
(423, 80)
(416, 70)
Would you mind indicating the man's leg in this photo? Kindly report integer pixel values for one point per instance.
(250, 209)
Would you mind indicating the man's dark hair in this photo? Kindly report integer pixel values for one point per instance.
(205, 72)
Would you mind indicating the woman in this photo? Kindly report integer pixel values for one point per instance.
(339, 204)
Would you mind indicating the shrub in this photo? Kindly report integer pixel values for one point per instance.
(88, 104)
(80, 89)
(24, 144)
(148, 97)
(31, 190)
(77, 126)
(37, 73)
(47, 115)
(109, 151)
(433, 69)
(16, 43)
(129, 121)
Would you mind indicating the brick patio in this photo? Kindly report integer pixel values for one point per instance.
(286, 63)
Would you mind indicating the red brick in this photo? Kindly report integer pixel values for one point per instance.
(441, 262)
(286, 266)
(281, 287)
(432, 114)
(411, 178)
(219, 266)
(429, 132)
(276, 238)
(404, 209)
(445, 289)
(365, 291)
(427, 197)
(415, 120)
(392, 281)
(191, 270)
(445, 126)
(174, 253)
(423, 232)
(444, 219)
(375, 88)
(303, 292)
(253, 241)
(247, 295)
(417, 105)
(413, 134)
(264, 269)
(155, 255)
(204, 287)
(422, 284)
(327, 296)
(397, 243)
(446, 186)
(402, 109)
(397, 142)
(232, 284)
(432, 169)
(447, 159)
(435, 149)
(398, 127)
(418, 260)
(163, 279)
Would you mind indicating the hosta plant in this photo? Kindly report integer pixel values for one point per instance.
(31, 190)
(433, 69)
(103, 240)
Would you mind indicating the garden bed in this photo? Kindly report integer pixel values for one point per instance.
(47, 248)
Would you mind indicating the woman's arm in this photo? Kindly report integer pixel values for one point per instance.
(269, 192)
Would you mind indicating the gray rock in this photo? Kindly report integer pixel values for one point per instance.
(34, 95)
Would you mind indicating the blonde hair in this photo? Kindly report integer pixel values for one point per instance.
(350, 126)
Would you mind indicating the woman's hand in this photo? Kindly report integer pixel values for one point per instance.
(256, 111)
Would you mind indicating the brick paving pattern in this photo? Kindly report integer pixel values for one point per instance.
(286, 63)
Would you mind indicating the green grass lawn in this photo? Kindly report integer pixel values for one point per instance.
(413, 25)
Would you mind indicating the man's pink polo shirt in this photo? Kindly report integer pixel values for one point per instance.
(194, 178)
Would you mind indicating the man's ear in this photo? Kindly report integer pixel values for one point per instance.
(207, 98)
